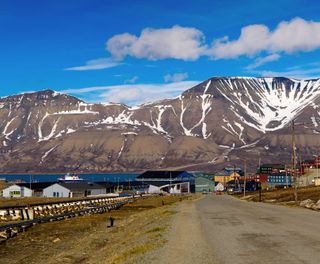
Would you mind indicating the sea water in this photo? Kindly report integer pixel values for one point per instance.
(99, 177)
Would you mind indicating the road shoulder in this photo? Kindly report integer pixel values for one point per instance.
(186, 241)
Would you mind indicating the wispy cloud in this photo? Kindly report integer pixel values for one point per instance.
(176, 77)
(132, 80)
(297, 73)
(96, 64)
(131, 94)
(263, 60)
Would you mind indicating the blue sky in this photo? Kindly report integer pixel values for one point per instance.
(138, 51)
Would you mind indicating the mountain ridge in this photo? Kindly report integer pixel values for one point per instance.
(212, 123)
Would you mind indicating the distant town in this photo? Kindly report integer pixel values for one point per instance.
(229, 179)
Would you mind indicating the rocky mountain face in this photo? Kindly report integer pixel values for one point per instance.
(219, 122)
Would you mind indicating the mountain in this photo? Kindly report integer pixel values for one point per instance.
(219, 122)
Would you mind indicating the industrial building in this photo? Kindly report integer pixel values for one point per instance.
(173, 182)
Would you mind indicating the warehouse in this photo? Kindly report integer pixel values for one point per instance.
(168, 181)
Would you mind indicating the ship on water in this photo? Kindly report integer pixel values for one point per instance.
(70, 178)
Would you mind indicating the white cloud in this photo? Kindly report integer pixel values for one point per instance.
(188, 44)
(178, 42)
(132, 80)
(289, 36)
(176, 77)
(263, 60)
(97, 64)
(252, 40)
(296, 35)
(313, 73)
(132, 94)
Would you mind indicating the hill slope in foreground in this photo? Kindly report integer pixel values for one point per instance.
(216, 123)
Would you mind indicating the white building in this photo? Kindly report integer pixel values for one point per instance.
(15, 191)
(56, 190)
(73, 189)
(173, 188)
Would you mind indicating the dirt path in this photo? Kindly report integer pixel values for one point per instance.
(185, 239)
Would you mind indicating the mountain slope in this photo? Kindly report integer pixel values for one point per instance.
(215, 122)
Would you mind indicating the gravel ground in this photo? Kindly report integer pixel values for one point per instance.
(185, 239)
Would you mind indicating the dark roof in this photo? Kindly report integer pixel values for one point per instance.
(308, 161)
(81, 186)
(106, 184)
(232, 169)
(162, 183)
(276, 165)
(35, 185)
(164, 175)
(223, 173)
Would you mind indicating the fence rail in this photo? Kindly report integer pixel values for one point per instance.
(10, 230)
(30, 212)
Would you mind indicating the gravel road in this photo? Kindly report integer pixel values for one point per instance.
(246, 232)
(186, 239)
(223, 229)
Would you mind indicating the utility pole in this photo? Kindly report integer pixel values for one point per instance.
(285, 168)
(294, 158)
(170, 183)
(245, 175)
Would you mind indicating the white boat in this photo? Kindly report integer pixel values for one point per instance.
(70, 178)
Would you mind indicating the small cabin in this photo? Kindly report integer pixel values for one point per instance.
(16, 191)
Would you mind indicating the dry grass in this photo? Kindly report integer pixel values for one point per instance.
(131, 252)
(286, 195)
(138, 229)
(32, 200)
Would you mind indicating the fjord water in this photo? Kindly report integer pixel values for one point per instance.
(108, 177)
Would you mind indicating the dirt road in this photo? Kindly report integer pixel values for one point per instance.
(186, 240)
(222, 229)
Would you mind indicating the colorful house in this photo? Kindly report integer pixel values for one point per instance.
(225, 176)
(204, 183)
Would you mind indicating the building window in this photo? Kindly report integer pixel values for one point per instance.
(15, 193)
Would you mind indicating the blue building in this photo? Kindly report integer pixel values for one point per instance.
(279, 179)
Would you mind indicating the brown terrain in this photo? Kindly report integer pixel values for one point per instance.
(139, 229)
(285, 196)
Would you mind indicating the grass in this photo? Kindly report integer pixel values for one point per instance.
(139, 249)
(157, 229)
(139, 228)
(286, 195)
